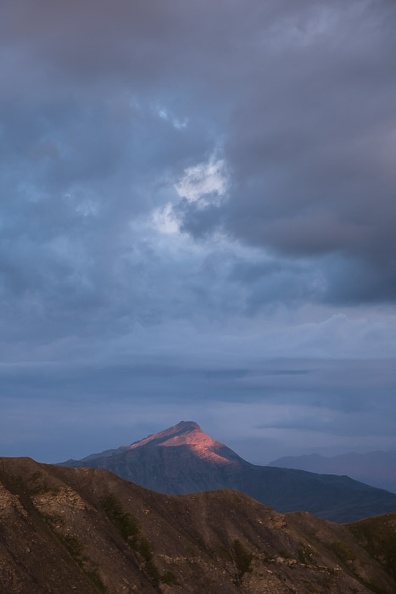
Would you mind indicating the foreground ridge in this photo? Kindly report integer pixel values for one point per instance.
(85, 530)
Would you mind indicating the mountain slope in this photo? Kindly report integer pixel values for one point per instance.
(373, 468)
(183, 459)
(81, 530)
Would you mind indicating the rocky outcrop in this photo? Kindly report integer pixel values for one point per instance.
(68, 530)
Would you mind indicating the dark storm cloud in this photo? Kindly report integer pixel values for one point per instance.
(121, 284)
(301, 98)
(71, 190)
(310, 151)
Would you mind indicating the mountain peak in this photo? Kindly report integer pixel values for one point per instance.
(185, 432)
(188, 435)
(187, 425)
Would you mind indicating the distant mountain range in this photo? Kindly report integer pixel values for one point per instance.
(374, 468)
(184, 460)
(87, 531)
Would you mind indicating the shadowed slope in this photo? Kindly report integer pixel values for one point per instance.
(183, 459)
(374, 468)
(84, 530)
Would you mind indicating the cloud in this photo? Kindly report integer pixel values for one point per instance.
(307, 152)
(192, 189)
(203, 184)
(299, 101)
(265, 407)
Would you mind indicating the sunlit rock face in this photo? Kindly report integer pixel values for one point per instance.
(189, 433)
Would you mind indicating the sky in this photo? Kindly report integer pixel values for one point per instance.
(197, 222)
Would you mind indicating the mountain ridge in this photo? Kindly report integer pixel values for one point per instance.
(182, 459)
(377, 468)
(86, 530)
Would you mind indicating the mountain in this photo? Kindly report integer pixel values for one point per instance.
(66, 530)
(374, 468)
(183, 460)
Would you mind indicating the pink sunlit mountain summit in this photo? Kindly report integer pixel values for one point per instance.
(183, 459)
(190, 434)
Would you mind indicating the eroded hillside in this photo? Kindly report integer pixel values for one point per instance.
(80, 530)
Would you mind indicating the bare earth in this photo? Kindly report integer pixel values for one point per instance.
(81, 530)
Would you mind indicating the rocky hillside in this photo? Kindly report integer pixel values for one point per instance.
(66, 530)
(183, 459)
